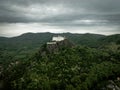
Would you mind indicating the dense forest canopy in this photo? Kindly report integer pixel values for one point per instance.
(87, 62)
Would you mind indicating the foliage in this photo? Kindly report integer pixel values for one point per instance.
(77, 68)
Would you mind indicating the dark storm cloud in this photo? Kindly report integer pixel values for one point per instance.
(62, 13)
(19, 10)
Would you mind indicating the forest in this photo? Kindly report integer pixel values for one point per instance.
(87, 62)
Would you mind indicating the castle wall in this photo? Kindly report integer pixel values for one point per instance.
(59, 38)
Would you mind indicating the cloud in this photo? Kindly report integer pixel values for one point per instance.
(15, 29)
(63, 14)
(35, 10)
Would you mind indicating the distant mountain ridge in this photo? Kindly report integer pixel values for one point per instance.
(39, 37)
(35, 40)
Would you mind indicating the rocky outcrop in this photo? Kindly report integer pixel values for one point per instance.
(51, 48)
(54, 47)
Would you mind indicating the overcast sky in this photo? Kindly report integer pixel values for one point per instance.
(58, 16)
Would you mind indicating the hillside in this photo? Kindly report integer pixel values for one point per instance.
(70, 68)
(111, 39)
(25, 45)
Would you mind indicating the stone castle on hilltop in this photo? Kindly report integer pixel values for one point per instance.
(57, 43)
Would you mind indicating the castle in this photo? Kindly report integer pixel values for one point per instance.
(57, 43)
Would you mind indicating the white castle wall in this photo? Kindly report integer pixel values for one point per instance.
(58, 38)
(51, 42)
